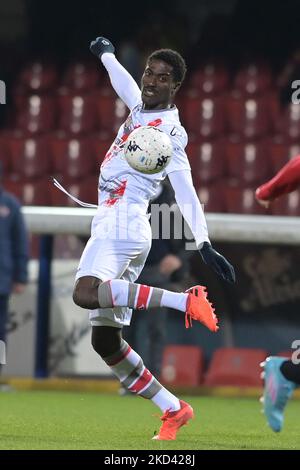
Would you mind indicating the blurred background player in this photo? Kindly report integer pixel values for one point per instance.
(13, 252)
(281, 376)
(109, 267)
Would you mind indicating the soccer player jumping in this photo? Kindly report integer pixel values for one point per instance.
(281, 376)
(121, 236)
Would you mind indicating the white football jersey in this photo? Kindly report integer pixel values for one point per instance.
(119, 181)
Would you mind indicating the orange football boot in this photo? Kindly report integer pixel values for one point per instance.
(173, 420)
(200, 309)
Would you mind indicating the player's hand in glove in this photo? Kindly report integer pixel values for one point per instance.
(101, 45)
(217, 262)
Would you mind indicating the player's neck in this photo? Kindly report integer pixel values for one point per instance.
(158, 108)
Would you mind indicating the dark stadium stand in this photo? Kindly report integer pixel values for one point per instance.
(247, 162)
(29, 155)
(63, 123)
(212, 197)
(207, 159)
(85, 190)
(241, 200)
(82, 76)
(76, 112)
(72, 157)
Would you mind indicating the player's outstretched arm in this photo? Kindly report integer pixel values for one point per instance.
(123, 83)
(285, 181)
(190, 207)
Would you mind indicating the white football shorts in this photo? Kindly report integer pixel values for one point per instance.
(117, 249)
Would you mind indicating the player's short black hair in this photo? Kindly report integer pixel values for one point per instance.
(172, 58)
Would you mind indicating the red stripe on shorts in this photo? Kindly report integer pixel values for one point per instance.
(142, 297)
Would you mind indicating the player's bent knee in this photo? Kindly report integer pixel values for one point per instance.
(79, 298)
(106, 340)
(85, 293)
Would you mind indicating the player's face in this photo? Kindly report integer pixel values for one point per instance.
(158, 86)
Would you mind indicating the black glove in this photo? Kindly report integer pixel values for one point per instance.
(101, 45)
(217, 262)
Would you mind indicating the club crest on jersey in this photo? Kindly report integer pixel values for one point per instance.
(128, 125)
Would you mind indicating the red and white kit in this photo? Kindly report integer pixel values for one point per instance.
(121, 234)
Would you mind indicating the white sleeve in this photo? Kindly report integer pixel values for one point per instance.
(123, 83)
(189, 204)
(179, 160)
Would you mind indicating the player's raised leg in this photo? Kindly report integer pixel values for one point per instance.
(122, 293)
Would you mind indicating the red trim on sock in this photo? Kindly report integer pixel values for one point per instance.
(145, 378)
(143, 297)
(119, 358)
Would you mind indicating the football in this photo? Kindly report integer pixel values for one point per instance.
(148, 149)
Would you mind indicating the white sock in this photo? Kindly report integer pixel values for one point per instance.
(165, 400)
(128, 366)
(175, 300)
(120, 293)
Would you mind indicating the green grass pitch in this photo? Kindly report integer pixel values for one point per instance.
(64, 420)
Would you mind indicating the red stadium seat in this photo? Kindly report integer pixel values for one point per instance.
(111, 110)
(247, 162)
(247, 117)
(203, 116)
(37, 77)
(235, 367)
(211, 196)
(210, 78)
(253, 78)
(77, 112)
(241, 200)
(82, 76)
(29, 156)
(207, 160)
(85, 190)
(30, 193)
(35, 114)
(72, 157)
(289, 204)
(174, 370)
